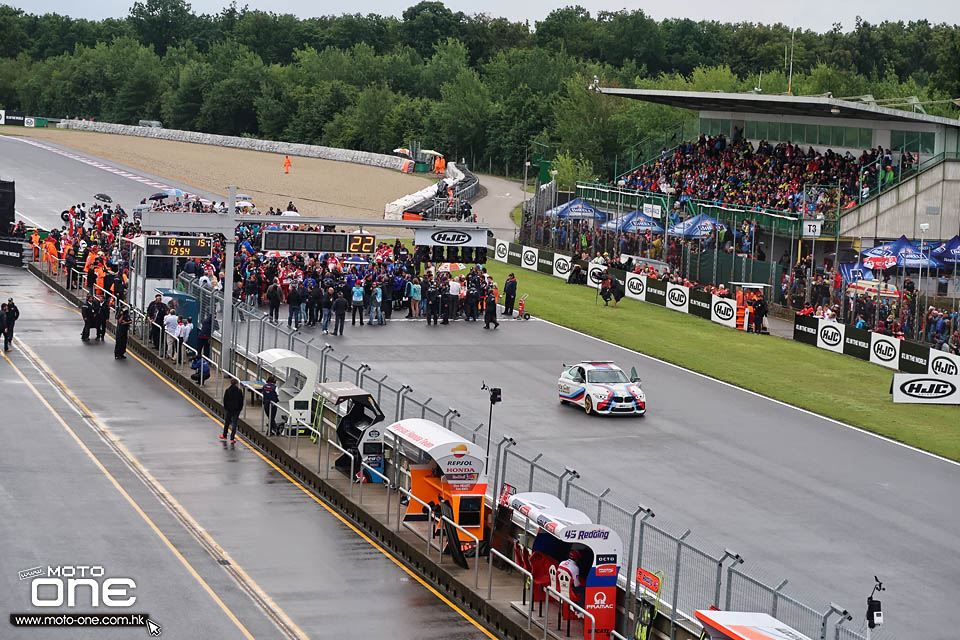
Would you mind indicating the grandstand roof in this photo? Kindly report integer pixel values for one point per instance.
(778, 105)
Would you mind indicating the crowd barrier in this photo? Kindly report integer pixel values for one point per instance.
(637, 287)
(886, 351)
(252, 144)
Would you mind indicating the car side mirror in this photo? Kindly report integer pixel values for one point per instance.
(636, 380)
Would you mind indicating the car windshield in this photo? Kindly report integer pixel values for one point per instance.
(606, 376)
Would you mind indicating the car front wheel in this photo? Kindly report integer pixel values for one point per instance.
(588, 404)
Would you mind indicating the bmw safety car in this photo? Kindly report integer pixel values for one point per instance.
(602, 387)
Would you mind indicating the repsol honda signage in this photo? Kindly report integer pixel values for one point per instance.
(561, 266)
(451, 237)
(500, 251)
(926, 389)
(884, 350)
(830, 336)
(943, 364)
(636, 286)
(529, 257)
(724, 311)
(677, 298)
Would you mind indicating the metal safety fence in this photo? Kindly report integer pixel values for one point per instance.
(696, 573)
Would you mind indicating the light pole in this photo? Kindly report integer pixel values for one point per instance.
(924, 227)
(495, 397)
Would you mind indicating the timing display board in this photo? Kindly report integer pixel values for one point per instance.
(319, 242)
(179, 246)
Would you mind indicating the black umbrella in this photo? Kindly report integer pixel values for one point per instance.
(102, 197)
(159, 196)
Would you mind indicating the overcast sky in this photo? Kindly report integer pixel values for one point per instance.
(810, 14)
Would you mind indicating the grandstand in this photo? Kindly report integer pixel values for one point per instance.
(891, 170)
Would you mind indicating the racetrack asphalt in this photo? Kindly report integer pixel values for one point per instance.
(802, 497)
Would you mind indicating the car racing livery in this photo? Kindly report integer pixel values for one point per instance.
(601, 387)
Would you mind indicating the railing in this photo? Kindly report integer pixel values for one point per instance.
(528, 582)
(551, 593)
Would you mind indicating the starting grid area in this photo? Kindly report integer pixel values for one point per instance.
(697, 573)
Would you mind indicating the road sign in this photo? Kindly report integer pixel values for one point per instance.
(811, 228)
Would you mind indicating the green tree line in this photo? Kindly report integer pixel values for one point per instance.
(472, 86)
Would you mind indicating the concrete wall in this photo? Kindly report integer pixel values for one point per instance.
(271, 146)
(932, 197)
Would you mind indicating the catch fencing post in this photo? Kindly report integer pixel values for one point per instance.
(364, 367)
(327, 347)
(676, 584)
(448, 416)
(401, 398)
(776, 596)
(600, 503)
(423, 408)
(737, 559)
(648, 514)
(627, 603)
(532, 467)
(380, 389)
(834, 608)
(562, 491)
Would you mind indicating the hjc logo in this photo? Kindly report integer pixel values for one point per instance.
(724, 310)
(502, 250)
(450, 237)
(562, 266)
(678, 297)
(884, 350)
(928, 389)
(943, 366)
(596, 276)
(635, 286)
(830, 336)
(529, 258)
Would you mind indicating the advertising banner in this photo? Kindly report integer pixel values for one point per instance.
(914, 388)
(914, 357)
(28, 122)
(11, 253)
(562, 266)
(595, 274)
(856, 343)
(500, 251)
(700, 303)
(678, 298)
(14, 118)
(805, 329)
(830, 336)
(657, 291)
(724, 311)
(884, 350)
(636, 286)
(545, 262)
(529, 257)
(943, 364)
(3, 114)
(448, 237)
(514, 254)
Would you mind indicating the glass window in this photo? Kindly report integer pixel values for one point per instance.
(896, 139)
(762, 129)
(824, 135)
(927, 141)
(851, 137)
(866, 138)
(750, 129)
(704, 125)
(836, 136)
(725, 127)
(773, 131)
(812, 133)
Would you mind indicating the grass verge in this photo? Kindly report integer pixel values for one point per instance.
(517, 215)
(833, 385)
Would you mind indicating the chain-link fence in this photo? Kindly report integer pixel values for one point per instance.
(696, 573)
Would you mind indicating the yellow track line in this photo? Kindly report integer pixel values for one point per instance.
(168, 496)
(132, 502)
(293, 481)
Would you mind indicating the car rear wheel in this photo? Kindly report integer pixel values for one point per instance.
(588, 404)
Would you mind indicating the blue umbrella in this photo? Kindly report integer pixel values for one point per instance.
(899, 253)
(699, 226)
(617, 223)
(356, 260)
(948, 252)
(641, 223)
(176, 193)
(576, 209)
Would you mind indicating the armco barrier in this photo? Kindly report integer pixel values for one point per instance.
(636, 286)
(463, 182)
(252, 144)
(886, 351)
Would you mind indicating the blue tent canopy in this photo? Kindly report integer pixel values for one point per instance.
(576, 209)
(948, 252)
(641, 223)
(618, 222)
(900, 253)
(699, 226)
(854, 271)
